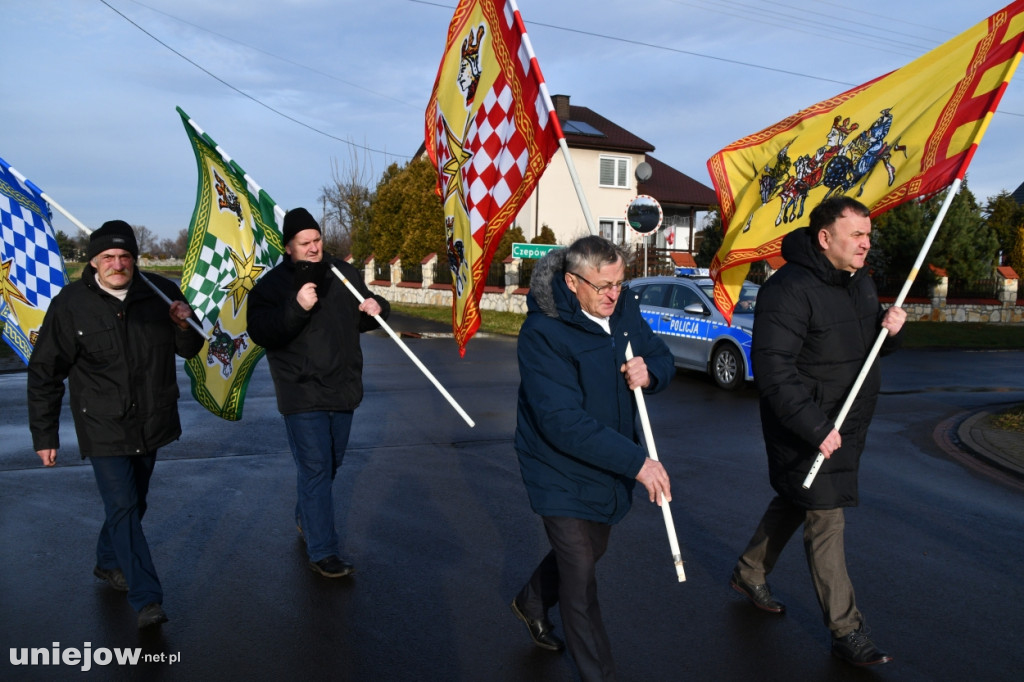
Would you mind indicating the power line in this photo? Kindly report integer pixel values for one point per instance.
(250, 97)
(272, 55)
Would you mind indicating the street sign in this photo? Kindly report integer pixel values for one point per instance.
(520, 250)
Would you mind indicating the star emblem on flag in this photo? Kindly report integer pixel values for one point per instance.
(246, 274)
(8, 291)
(459, 157)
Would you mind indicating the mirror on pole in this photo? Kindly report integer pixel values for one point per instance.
(644, 214)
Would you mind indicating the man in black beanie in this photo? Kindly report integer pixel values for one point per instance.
(114, 340)
(309, 322)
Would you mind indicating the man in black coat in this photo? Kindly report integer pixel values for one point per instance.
(114, 339)
(309, 322)
(815, 323)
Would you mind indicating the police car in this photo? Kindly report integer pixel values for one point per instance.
(680, 310)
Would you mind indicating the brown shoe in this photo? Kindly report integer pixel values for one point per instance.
(113, 577)
(152, 614)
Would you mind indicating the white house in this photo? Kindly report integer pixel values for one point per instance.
(610, 161)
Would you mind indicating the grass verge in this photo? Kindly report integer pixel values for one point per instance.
(493, 321)
(1009, 420)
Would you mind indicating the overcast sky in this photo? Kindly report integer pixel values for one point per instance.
(291, 87)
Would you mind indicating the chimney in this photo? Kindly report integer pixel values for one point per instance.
(561, 103)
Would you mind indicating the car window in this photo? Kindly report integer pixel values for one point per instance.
(682, 296)
(653, 295)
(748, 298)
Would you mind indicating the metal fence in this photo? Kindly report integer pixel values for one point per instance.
(412, 273)
(442, 273)
(496, 275)
(526, 272)
(382, 271)
(890, 286)
(981, 288)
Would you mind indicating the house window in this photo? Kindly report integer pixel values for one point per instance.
(614, 171)
(613, 230)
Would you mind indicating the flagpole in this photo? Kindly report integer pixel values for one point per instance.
(279, 214)
(670, 526)
(553, 117)
(820, 459)
(576, 181)
(45, 197)
(401, 344)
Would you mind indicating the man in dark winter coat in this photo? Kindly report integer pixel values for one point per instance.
(576, 437)
(114, 340)
(309, 322)
(815, 322)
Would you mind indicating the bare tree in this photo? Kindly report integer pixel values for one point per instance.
(346, 203)
(175, 248)
(146, 239)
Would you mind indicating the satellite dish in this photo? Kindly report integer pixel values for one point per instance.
(644, 214)
(643, 171)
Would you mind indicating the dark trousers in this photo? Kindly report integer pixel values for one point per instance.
(567, 576)
(826, 558)
(123, 483)
(318, 441)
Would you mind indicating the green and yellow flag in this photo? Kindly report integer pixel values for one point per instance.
(904, 135)
(233, 239)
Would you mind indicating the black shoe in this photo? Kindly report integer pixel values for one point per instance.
(541, 630)
(332, 567)
(152, 614)
(113, 577)
(759, 595)
(857, 648)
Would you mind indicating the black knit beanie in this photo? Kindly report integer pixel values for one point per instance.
(297, 220)
(113, 234)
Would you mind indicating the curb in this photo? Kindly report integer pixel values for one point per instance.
(965, 438)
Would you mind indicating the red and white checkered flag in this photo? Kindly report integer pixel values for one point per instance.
(490, 132)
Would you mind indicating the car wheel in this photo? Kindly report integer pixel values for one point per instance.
(727, 367)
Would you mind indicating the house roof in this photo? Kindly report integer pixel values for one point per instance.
(671, 187)
(1018, 194)
(597, 132)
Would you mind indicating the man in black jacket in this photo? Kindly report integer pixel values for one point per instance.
(309, 322)
(114, 340)
(815, 322)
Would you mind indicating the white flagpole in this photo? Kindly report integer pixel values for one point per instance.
(561, 139)
(852, 395)
(401, 344)
(279, 214)
(48, 199)
(670, 526)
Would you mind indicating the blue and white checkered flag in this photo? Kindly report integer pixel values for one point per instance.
(31, 267)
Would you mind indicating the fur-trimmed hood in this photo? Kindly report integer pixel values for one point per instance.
(546, 274)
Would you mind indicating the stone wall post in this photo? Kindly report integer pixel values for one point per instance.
(1007, 283)
(427, 264)
(368, 268)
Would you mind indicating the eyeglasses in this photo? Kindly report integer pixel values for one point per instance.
(600, 289)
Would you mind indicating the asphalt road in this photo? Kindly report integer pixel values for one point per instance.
(434, 516)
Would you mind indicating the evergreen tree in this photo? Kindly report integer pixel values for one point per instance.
(1006, 218)
(546, 236)
(711, 239)
(512, 235)
(965, 246)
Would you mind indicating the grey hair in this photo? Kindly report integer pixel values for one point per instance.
(593, 252)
